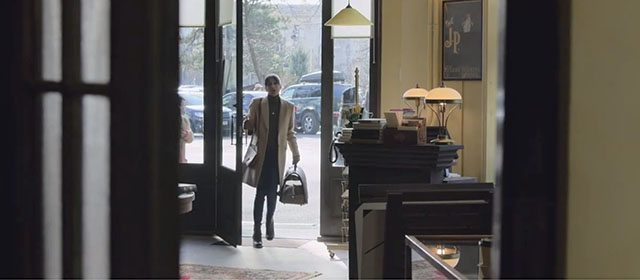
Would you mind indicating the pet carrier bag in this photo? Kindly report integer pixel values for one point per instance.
(294, 187)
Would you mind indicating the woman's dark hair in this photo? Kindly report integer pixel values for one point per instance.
(181, 98)
(271, 77)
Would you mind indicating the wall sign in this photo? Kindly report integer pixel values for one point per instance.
(462, 40)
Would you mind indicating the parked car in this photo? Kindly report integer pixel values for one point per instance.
(190, 88)
(315, 77)
(306, 97)
(229, 99)
(195, 111)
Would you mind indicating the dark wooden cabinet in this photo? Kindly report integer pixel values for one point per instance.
(379, 164)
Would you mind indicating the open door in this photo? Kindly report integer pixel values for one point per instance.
(228, 61)
(209, 58)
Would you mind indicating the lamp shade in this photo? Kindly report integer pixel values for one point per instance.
(348, 16)
(415, 93)
(443, 95)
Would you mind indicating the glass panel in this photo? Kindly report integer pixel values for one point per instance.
(95, 180)
(466, 258)
(51, 40)
(364, 7)
(229, 96)
(350, 54)
(192, 13)
(96, 41)
(284, 37)
(191, 91)
(52, 183)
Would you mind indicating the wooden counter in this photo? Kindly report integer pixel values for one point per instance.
(379, 163)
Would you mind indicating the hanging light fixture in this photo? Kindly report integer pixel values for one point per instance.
(348, 16)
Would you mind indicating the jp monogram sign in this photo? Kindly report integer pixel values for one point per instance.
(462, 40)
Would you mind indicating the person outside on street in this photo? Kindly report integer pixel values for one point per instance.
(271, 118)
(186, 134)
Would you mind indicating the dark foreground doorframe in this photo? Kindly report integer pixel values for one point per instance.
(20, 175)
(144, 129)
(144, 148)
(531, 172)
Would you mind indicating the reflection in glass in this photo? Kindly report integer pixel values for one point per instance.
(52, 183)
(229, 101)
(51, 40)
(95, 186)
(95, 41)
(191, 90)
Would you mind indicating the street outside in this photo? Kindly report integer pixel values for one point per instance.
(292, 221)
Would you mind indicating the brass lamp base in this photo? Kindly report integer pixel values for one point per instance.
(442, 140)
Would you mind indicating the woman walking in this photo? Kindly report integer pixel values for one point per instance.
(271, 118)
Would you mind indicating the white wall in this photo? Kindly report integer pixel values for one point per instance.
(604, 137)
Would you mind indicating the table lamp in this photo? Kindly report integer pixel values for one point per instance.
(416, 94)
(448, 253)
(437, 100)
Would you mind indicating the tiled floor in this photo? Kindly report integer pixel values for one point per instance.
(281, 254)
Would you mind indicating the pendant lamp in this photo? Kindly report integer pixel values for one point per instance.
(348, 16)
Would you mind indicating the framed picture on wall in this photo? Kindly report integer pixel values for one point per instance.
(462, 40)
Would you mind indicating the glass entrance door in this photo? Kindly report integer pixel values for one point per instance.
(207, 68)
(229, 139)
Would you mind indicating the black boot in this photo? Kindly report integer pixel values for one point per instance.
(257, 236)
(270, 230)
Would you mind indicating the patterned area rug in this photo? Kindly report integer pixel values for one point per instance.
(197, 271)
(424, 270)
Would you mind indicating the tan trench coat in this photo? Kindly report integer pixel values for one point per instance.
(285, 133)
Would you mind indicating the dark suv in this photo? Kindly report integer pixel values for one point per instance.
(306, 98)
(195, 111)
(229, 99)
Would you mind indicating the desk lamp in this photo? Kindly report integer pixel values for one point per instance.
(417, 94)
(437, 100)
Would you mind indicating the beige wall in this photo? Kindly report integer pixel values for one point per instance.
(411, 55)
(604, 139)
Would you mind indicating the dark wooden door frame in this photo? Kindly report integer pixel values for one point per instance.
(531, 172)
(144, 132)
(20, 175)
(330, 200)
(144, 236)
(228, 202)
(202, 219)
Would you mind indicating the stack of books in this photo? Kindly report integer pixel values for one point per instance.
(346, 135)
(368, 131)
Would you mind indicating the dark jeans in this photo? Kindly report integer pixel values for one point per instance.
(268, 186)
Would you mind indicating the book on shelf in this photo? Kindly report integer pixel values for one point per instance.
(408, 128)
(374, 120)
(368, 126)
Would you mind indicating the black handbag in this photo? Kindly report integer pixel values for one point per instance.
(293, 189)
